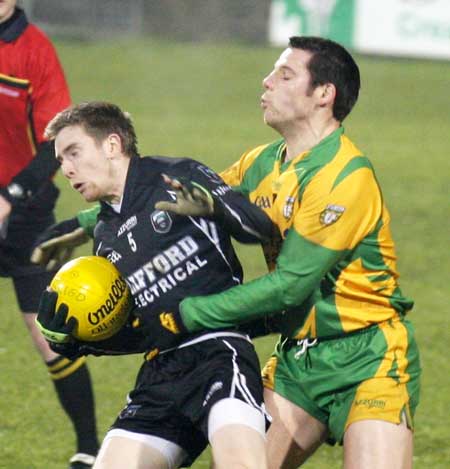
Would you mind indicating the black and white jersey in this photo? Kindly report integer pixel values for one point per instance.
(165, 257)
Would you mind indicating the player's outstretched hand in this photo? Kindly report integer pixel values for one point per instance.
(192, 198)
(162, 331)
(56, 244)
(53, 323)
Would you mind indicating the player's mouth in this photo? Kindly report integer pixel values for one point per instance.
(264, 102)
(78, 186)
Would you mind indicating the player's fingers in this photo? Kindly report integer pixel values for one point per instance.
(74, 238)
(37, 256)
(46, 309)
(58, 256)
(199, 196)
(52, 264)
(167, 179)
(167, 206)
(60, 317)
(71, 324)
(66, 254)
(185, 191)
(42, 256)
(47, 245)
(172, 182)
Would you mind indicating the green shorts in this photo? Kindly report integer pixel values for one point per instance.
(369, 374)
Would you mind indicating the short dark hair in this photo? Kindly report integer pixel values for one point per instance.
(331, 63)
(99, 119)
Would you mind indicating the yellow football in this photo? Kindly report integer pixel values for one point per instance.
(96, 294)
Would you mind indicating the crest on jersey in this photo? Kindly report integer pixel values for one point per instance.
(210, 174)
(161, 221)
(288, 208)
(331, 214)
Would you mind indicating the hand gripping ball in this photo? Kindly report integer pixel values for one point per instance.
(96, 294)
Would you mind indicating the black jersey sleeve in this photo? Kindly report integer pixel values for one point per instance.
(243, 220)
(33, 177)
(126, 341)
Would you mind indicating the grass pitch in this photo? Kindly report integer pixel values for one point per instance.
(202, 101)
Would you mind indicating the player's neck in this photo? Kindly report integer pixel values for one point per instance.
(306, 136)
(118, 176)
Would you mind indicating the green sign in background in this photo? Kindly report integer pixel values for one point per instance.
(333, 19)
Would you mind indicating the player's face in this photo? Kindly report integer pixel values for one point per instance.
(86, 163)
(6, 9)
(288, 97)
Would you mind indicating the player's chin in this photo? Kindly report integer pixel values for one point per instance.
(89, 196)
(90, 193)
(270, 121)
(269, 117)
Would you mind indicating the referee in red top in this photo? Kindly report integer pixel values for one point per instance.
(32, 90)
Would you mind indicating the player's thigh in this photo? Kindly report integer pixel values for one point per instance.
(236, 431)
(238, 446)
(29, 286)
(372, 444)
(293, 435)
(121, 449)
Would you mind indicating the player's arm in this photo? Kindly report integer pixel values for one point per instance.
(57, 330)
(299, 268)
(326, 228)
(57, 243)
(203, 193)
(27, 183)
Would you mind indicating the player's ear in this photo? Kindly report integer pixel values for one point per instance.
(113, 145)
(326, 93)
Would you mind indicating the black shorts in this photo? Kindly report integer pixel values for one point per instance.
(25, 224)
(175, 392)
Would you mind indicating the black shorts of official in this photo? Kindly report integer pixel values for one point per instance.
(175, 392)
(25, 224)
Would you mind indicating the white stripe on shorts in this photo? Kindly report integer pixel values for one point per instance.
(231, 411)
(173, 453)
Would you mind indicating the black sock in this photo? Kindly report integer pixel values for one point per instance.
(73, 385)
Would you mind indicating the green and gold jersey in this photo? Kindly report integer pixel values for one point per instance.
(333, 269)
(87, 219)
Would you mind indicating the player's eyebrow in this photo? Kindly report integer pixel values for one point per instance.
(283, 68)
(69, 147)
(65, 150)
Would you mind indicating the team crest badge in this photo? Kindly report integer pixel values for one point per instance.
(161, 221)
(288, 208)
(331, 214)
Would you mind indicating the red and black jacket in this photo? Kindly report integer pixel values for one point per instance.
(33, 89)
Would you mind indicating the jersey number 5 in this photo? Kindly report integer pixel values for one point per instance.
(132, 242)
